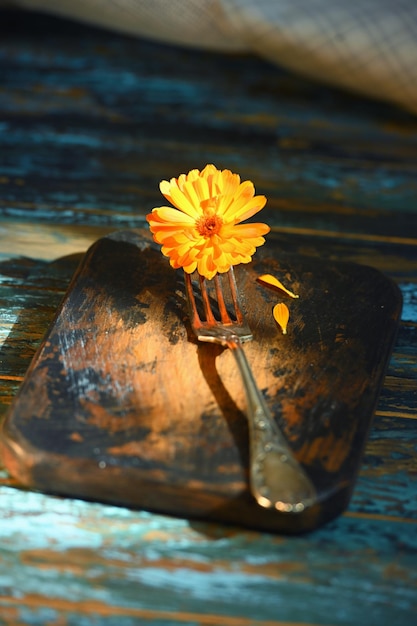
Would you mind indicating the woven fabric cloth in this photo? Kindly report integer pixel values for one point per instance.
(368, 46)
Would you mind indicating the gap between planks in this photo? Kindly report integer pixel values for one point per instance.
(93, 607)
(296, 230)
(379, 517)
(399, 414)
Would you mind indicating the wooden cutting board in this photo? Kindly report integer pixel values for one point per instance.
(122, 405)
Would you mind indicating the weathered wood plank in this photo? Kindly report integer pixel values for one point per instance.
(25, 319)
(39, 316)
(31, 242)
(34, 244)
(106, 370)
(119, 564)
(386, 483)
(125, 96)
(8, 389)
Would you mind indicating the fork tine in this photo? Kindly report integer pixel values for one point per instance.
(195, 321)
(224, 315)
(206, 302)
(211, 308)
(235, 297)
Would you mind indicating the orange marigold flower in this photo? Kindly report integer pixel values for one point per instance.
(204, 231)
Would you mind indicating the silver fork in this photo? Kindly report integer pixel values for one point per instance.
(277, 480)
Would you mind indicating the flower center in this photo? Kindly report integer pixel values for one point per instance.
(209, 225)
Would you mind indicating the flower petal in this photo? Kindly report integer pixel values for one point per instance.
(246, 231)
(169, 215)
(250, 208)
(281, 316)
(202, 189)
(271, 281)
(180, 200)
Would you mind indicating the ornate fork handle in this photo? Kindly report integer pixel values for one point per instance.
(276, 477)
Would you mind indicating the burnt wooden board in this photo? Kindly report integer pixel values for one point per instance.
(121, 404)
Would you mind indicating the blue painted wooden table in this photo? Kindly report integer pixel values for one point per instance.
(90, 122)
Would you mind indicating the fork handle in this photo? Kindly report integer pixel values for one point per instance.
(277, 479)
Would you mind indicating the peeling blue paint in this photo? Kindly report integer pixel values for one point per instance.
(409, 312)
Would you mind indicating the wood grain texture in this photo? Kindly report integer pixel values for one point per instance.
(90, 122)
(122, 404)
(124, 565)
(325, 160)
